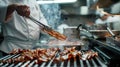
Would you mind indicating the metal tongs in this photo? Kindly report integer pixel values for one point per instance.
(110, 31)
(49, 30)
(39, 23)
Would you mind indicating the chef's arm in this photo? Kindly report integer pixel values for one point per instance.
(10, 10)
(22, 10)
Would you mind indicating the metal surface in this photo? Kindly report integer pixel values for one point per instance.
(71, 33)
(39, 23)
(115, 42)
(83, 30)
(110, 31)
(105, 45)
(75, 62)
(103, 59)
(104, 33)
(109, 53)
(48, 30)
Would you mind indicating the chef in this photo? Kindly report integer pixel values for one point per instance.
(107, 18)
(18, 30)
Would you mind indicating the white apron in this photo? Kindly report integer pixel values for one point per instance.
(20, 32)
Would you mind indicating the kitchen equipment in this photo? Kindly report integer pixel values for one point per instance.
(84, 31)
(49, 30)
(115, 42)
(71, 33)
(74, 62)
(103, 33)
(108, 56)
(110, 31)
(96, 33)
(109, 53)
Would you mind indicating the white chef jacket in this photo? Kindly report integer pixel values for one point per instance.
(115, 8)
(18, 31)
(111, 19)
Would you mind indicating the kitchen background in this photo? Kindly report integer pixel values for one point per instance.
(73, 14)
(70, 14)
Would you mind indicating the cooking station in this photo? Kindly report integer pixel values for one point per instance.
(78, 33)
(108, 54)
(97, 61)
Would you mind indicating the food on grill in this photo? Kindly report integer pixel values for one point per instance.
(69, 53)
(68, 56)
(17, 51)
(41, 55)
(89, 54)
(55, 34)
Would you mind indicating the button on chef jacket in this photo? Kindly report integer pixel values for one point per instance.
(18, 31)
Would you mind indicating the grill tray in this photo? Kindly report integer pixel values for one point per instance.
(74, 62)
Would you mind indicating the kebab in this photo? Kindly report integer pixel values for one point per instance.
(41, 55)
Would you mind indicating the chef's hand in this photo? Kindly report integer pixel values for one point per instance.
(105, 16)
(23, 10)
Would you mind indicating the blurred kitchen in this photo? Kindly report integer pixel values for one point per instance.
(87, 24)
(61, 16)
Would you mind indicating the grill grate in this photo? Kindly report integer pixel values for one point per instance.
(74, 62)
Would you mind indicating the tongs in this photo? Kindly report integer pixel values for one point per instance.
(39, 23)
(48, 30)
(110, 31)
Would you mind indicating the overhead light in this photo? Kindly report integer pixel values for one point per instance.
(55, 1)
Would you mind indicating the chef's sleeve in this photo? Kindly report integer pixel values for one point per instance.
(3, 10)
(115, 9)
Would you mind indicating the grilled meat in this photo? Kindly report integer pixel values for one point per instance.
(41, 55)
(55, 34)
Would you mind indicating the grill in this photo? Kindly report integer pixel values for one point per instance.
(108, 56)
(74, 62)
(109, 53)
